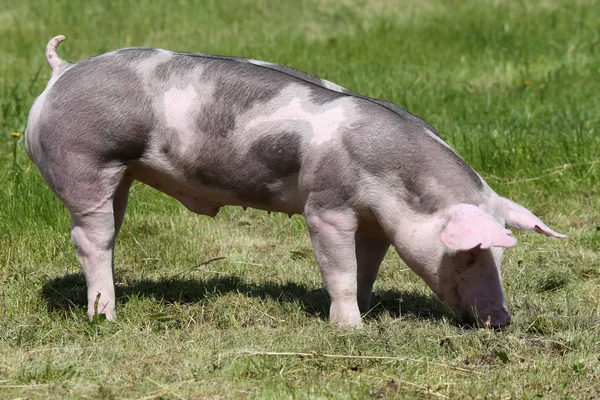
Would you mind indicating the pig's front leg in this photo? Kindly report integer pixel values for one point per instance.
(370, 252)
(332, 233)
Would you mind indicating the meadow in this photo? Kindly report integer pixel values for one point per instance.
(233, 307)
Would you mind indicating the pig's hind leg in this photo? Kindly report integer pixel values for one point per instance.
(94, 232)
(96, 197)
(332, 233)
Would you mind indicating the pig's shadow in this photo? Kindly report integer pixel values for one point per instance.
(69, 292)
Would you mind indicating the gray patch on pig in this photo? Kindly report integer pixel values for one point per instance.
(328, 174)
(320, 96)
(280, 153)
(168, 139)
(178, 70)
(409, 158)
(214, 119)
(99, 106)
(134, 55)
(248, 175)
(237, 88)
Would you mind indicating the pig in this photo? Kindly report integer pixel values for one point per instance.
(214, 130)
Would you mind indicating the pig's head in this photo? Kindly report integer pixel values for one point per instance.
(459, 257)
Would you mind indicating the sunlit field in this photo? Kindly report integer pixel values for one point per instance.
(233, 307)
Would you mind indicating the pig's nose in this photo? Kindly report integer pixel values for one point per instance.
(498, 319)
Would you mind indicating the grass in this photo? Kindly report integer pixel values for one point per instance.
(513, 86)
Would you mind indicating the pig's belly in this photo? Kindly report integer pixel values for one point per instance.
(280, 195)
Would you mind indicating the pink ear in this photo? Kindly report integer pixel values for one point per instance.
(519, 217)
(469, 226)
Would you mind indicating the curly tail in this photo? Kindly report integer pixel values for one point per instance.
(54, 61)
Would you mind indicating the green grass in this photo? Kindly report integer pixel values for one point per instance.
(513, 86)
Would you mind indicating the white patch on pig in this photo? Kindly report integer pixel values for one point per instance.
(291, 111)
(298, 108)
(31, 133)
(178, 106)
(261, 63)
(326, 124)
(332, 86)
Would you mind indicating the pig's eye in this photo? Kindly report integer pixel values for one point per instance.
(465, 260)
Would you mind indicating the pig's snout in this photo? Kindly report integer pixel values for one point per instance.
(499, 319)
(493, 320)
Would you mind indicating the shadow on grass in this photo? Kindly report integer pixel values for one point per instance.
(69, 292)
